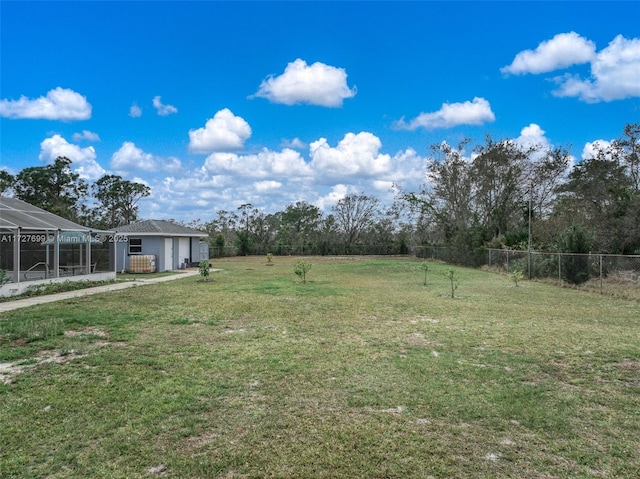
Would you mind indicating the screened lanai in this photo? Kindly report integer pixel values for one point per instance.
(38, 245)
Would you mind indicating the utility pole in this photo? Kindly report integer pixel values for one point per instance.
(529, 242)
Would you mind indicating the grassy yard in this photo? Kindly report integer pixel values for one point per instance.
(362, 372)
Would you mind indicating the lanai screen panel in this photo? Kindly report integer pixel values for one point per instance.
(16, 213)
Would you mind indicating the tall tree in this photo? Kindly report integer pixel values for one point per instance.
(626, 150)
(597, 196)
(544, 176)
(6, 182)
(54, 188)
(118, 200)
(497, 174)
(354, 214)
(299, 224)
(243, 239)
(449, 193)
(225, 224)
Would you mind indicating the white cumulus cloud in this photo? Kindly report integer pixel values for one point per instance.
(266, 186)
(615, 74)
(408, 167)
(595, 149)
(163, 110)
(614, 70)
(273, 179)
(316, 84)
(135, 111)
(131, 158)
(267, 163)
(83, 159)
(355, 155)
(58, 104)
(337, 193)
(562, 51)
(476, 112)
(224, 132)
(296, 144)
(86, 135)
(532, 136)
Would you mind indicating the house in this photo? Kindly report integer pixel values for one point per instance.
(158, 245)
(37, 246)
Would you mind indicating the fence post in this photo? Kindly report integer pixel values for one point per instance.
(600, 274)
(559, 269)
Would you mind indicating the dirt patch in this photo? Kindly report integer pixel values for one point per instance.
(196, 443)
(100, 344)
(86, 332)
(234, 331)
(628, 365)
(8, 371)
(419, 339)
(423, 319)
(159, 469)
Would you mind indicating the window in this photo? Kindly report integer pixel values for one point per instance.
(135, 245)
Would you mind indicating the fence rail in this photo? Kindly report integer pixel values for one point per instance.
(617, 275)
(596, 271)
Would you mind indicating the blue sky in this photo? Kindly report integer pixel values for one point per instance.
(217, 104)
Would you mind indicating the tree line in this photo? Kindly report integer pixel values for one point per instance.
(500, 195)
(109, 202)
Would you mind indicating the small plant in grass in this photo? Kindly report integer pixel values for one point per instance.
(424, 267)
(516, 276)
(269, 259)
(301, 268)
(453, 278)
(204, 268)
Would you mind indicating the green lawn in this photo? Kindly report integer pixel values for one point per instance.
(362, 372)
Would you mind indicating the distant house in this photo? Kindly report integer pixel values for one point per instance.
(169, 245)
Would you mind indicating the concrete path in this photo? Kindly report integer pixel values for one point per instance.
(50, 298)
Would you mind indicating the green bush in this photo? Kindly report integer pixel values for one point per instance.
(204, 268)
(516, 276)
(575, 268)
(301, 268)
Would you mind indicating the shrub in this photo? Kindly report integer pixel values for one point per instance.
(204, 268)
(220, 243)
(424, 267)
(243, 243)
(453, 278)
(301, 268)
(516, 276)
(575, 268)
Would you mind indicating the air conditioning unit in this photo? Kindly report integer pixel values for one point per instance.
(142, 263)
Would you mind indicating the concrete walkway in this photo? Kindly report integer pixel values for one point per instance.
(50, 298)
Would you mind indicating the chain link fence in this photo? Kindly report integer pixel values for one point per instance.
(321, 248)
(618, 275)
